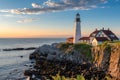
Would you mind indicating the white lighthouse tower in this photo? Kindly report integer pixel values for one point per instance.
(77, 30)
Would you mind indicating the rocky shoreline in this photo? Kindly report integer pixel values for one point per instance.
(65, 60)
(45, 69)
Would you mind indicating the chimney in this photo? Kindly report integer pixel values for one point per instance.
(108, 29)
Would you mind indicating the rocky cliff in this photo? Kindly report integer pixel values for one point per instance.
(107, 58)
(63, 60)
(75, 53)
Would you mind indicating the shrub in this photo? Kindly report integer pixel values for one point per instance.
(84, 49)
(58, 77)
(80, 77)
(64, 46)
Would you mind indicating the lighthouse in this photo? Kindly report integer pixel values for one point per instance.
(77, 29)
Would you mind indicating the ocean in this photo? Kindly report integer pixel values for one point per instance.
(12, 65)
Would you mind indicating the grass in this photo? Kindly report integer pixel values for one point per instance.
(64, 46)
(107, 78)
(79, 77)
(58, 77)
(83, 48)
(106, 46)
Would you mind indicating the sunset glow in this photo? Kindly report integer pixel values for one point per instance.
(46, 18)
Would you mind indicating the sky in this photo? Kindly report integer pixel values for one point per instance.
(56, 18)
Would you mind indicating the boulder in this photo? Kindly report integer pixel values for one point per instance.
(28, 73)
(52, 52)
(30, 48)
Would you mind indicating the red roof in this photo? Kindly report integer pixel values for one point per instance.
(110, 34)
(84, 38)
(101, 39)
(95, 32)
(70, 38)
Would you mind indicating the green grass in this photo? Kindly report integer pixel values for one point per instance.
(106, 46)
(58, 77)
(64, 46)
(83, 48)
(80, 77)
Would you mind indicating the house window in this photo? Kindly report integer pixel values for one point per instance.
(112, 35)
(102, 35)
(99, 35)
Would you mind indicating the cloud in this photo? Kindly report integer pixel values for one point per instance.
(50, 3)
(59, 5)
(35, 5)
(26, 20)
(8, 15)
(5, 11)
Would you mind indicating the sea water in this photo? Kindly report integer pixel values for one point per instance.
(12, 65)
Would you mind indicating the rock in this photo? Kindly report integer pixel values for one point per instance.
(114, 63)
(34, 55)
(51, 57)
(7, 49)
(31, 48)
(18, 49)
(53, 52)
(51, 60)
(44, 69)
(32, 62)
(47, 49)
(54, 45)
(33, 76)
(44, 51)
(21, 56)
(28, 73)
(29, 65)
(14, 49)
(108, 59)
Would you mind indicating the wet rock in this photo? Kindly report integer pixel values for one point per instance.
(7, 49)
(14, 49)
(31, 48)
(18, 49)
(32, 62)
(28, 73)
(21, 56)
(44, 69)
(34, 55)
